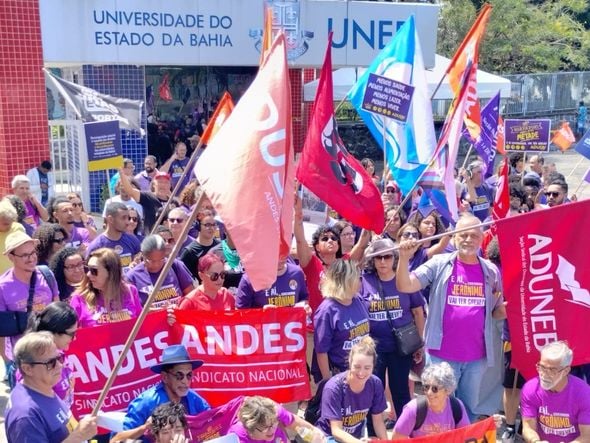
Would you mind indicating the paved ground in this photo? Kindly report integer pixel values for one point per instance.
(571, 164)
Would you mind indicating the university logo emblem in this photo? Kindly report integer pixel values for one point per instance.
(566, 274)
(286, 16)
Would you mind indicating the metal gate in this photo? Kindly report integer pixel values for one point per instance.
(67, 145)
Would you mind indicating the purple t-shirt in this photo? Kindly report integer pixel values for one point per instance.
(143, 180)
(78, 237)
(99, 315)
(34, 417)
(170, 292)
(31, 215)
(558, 414)
(127, 247)
(284, 417)
(287, 290)
(176, 170)
(395, 305)
(351, 408)
(464, 316)
(434, 423)
(64, 388)
(337, 328)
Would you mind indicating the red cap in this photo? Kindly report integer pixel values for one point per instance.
(162, 176)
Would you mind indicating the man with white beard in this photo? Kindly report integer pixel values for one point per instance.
(555, 406)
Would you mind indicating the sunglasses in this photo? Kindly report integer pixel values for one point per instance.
(169, 241)
(411, 234)
(328, 237)
(181, 375)
(176, 220)
(49, 364)
(58, 240)
(133, 219)
(432, 388)
(93, 271)
(214, 276)
(207, 225)
(71, 334)
(552, 194)
(384, 257)
(77, 205)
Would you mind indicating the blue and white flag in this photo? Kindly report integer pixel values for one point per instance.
(408, 146)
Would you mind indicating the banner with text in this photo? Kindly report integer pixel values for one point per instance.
(247, 352)
(544, 264)
(103, 143)
(481, 432)
(527, 135)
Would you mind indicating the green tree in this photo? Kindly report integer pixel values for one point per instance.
(522, 36)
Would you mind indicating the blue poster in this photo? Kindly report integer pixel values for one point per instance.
(103, 143)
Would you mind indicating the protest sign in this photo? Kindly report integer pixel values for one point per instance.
(103, 143)
(479, 432)
(388, 97)
(527, 135)
(545, 284)
(247, 352)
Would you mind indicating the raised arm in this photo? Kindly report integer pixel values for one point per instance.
(303, 252)
(127, 187)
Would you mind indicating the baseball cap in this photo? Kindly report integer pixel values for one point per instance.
(162, 176)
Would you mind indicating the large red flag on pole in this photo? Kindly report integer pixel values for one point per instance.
(222, 112)
(546, 283)
(329, 170)
(164, 89)
(248, 172)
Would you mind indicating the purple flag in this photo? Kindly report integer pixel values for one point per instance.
(587, 176)
(486, 144)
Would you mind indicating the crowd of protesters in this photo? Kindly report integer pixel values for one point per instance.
(363, 300)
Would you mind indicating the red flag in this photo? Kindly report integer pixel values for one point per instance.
(564, 137)
(544, 270)
(266, 35)
(248, 173)
(500, 137)
(222, 112)
(463, 71)
(164, 89)
(328, 170)
(502, 200)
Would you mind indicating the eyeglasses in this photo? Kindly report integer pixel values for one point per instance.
(384, 257)
(268, 428)
(25, 256)
(391, 191)
(133, 219)
(93, 270)
(177, 220)
(77, 205)
(552, 194)
(58, 240)
(49, 364)
(432, 388)
(328, 237)
(71, 334)
(77, 266)
(181, 375)
(214, 276)
(408, 234)
(169, 241)
(208, 225)
(547, 370)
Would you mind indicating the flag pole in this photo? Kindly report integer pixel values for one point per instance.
(575, 167)
(146, 308)
(437, 236)
(192, 160)
(467, 155)
(579, 186)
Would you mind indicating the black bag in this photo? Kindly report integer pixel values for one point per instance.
(407, 339)
(313, 412)
(14, 323)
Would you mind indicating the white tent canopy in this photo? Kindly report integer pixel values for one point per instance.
(487, 84)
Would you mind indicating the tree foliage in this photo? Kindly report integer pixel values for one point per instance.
(522, 36)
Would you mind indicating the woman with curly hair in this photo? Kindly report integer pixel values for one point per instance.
(52, 237)
(103, 296)
(68, 267)
(21, 213)
(429, 225)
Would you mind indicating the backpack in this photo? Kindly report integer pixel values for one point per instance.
(314, 406)
(422, 409)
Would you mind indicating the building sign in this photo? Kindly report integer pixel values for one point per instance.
(224, 32)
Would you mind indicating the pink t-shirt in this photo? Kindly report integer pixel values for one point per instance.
(434, 423)
(284, 417)
(558, 414)
(87, 317)
(464, 316)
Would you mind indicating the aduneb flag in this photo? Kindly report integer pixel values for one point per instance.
(408, 146)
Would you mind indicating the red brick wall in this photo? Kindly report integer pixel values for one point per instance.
(24, 140)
